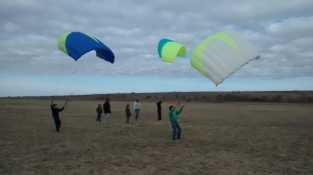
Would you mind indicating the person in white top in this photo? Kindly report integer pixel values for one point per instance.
(136, 108)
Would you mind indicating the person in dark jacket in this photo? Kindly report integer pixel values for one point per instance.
(99, 112)
(107, 108)
(159, 108)
(128, 113)
(56, 114)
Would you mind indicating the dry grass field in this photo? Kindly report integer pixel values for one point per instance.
(218, 139)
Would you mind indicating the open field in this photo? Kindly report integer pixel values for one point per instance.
(218, 139)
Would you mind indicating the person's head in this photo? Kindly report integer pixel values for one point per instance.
(127, 105)
(107, 100)
(54, 105)
(171, 108)
(99, 105)
(137, 100)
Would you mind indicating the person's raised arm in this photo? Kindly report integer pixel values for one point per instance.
(180, 110)
(51, 101)
(65, 103)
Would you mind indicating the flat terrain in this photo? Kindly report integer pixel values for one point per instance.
(219, 139)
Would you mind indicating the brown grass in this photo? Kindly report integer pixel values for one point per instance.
(219, 139)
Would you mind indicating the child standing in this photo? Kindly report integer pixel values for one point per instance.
(99, 112)
(128, 113)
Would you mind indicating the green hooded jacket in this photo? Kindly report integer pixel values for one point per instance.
(173, 115)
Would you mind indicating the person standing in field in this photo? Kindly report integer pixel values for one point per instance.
(107, 109)
(136, 108)
(99, 112)
(159, 109)
(56, 114)
(173, 117)
(128, 113)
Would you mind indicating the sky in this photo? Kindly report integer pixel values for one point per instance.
(31, 64)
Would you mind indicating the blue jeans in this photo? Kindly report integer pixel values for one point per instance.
(176, 130)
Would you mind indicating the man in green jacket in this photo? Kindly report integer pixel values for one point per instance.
(173, 116)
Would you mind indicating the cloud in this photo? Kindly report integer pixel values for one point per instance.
(292, 28)
(133, 28)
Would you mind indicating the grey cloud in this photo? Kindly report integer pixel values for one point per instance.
(292, 28)
(133, 28)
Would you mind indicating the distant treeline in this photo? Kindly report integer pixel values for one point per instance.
(268, 96)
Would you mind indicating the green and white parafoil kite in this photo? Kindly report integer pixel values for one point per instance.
(168, 50)
(221, 54)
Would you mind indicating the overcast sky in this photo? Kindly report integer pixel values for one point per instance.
(31, 64)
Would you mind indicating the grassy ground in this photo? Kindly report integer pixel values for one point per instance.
(219, 139)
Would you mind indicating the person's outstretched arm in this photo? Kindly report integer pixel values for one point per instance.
(65, 103)
(51, 104)
(51, 101)
(60, 109)
(180, 110)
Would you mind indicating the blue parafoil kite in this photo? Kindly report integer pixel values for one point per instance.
(76, 44)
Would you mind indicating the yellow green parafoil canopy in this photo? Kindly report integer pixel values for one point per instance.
(220, 55)
(168, 50)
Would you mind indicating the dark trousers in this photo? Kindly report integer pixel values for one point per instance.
(98, 117)
(159, 114)
(57, 123)
(137, 112)
(176, 130)
(127, 118)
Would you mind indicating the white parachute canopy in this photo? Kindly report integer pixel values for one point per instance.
(220, 55)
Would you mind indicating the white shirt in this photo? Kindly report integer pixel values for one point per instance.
(136, 105)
